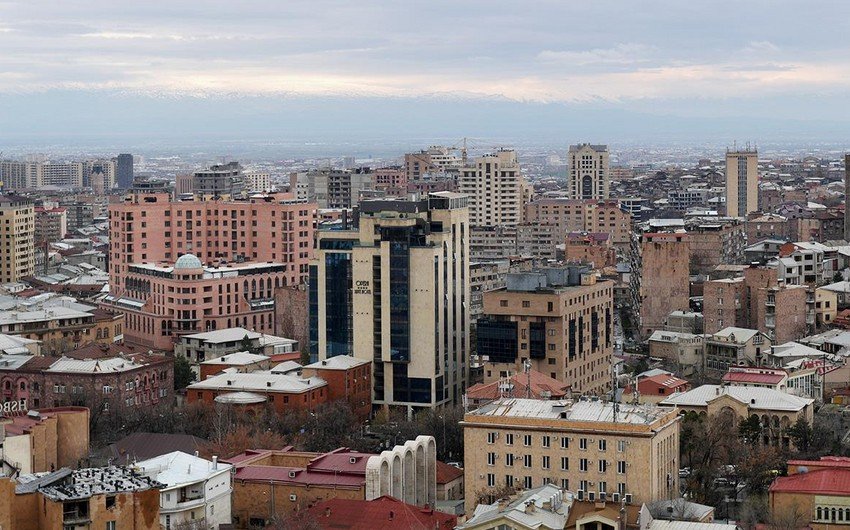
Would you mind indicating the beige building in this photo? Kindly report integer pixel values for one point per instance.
(260, 181)
(683, 350)
(587, 171)
(560, 320)
(395, 291)
(589, 447)
(733, 346)
(742, 181)
(496, 187)
(570, 215)
(17, 234)
(660, 278)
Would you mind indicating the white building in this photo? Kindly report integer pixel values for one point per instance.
(195, 489)
(588, 171)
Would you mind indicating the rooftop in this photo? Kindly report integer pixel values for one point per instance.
(260, 381)
(338, 362)
(382, 513)
(239, 358)
(223, 335)
(84, 483)
(821, 482)
(516, 510)
(758, 398)
(179, 469)
(568, 410)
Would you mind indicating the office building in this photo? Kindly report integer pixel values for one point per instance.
(17, 238)
(742, 180)
(559, 320)
(220, 180)
(587, 171)
(395, 291)
(496, 189)
(589, 447)
(124, 171)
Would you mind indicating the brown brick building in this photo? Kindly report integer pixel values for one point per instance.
(660, 278)
(348, 378)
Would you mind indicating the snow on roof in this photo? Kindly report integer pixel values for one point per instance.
(338, 362)
(758, 398)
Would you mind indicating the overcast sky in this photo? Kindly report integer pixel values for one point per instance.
(682, 58)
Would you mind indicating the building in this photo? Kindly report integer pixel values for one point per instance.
(571, 215)
(489, 243)
(237, 362)
(220, 180)
(742, 177)
(394, 291)
(660, 281)
(715, 242)
(61, 329)
(109, 497)
(804, 380)
(815, 494)
(435, 159)
(585, 446)
(544, 507)
(594, 248)
(558, 320)
(17, 238)
(192, 489)
(758, 300)
(776, 410)
(51, 224)
(683, 350)
(531, 384)
(112, 380)
(283, 391)
(333, 188)
(495, 187)
(124, 171)
(767, 226)
(655, 388)
(209, 345)
(148, 228)
(383, 513)
(536, 241)
(587, 171)
(258, 181)
(733, 346)
(271, 483)
(44, 440)
(349, 379)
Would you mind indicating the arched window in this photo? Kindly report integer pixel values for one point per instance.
(23, 385)
(819, 513)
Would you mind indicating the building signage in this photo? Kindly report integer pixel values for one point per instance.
(362, 287)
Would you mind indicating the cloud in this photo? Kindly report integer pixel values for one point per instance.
(761, 46)
(628, 53)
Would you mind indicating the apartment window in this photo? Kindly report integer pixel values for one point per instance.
(621, 466)
(565, 483)
(509, 439)
(503, 303)
(527, 482)
(545, 462)
(526, 461)
(565, 463)
(509, 480)
(526, 440)
(603, 466)
(526, 303)
(621, 488)
(621, 446)
(491, 480)
(491, 459)
(603, 486)
(565, 442)
(582, 444)
(582, 465)
(110, 525)
(603, 445)
(491, 437)
(509, 459)
(547, 441)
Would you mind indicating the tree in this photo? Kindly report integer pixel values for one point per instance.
(246, 344)
(749, 430)
(183, 373)
(758, 466)
(801, 435)
(754, 510)
(242, 438)
(489, 495)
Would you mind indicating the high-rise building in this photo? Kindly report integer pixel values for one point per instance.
(221, 180)
(60, 174)
(435, 159)
(124, 171)
(587, 168)
(17, 234)
(496, 188)
(395, 291)
(51, 224)
(258, 181)
(560, 320)
(742, 182)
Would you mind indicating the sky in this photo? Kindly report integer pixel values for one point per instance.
(563, 70)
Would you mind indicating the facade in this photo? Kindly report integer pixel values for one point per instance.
(45, 440)
(17, 238)
(435, 159)
(487, 243)
(191, 489)
(238, 362)
(767, 226)
(537, 241)
(333, 188)
(742, 178)
(395, 291)
(221, 180)
(495, 187)
(258, 181)
(660, 281)
(587, 171)
(559, 320)
(93, 378)
(124, 171)
(349, 379)
(587, 447)
(62, 329)
(733, 346)
(715, 242)
(572, 215)
(51, 224)
(683, 350)
(815, 494)
(209, 345)
(110, 497)
(281, 390)
(150, 228)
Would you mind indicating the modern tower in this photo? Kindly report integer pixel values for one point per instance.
(742, 181)
(587, 171)
(124, 171)
(17, 233)
(395, 291)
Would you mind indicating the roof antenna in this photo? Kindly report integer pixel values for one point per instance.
(526, 365)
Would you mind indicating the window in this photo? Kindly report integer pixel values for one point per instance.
(621, 466)
(545, 462)
(526, 303)
(547, 441)
(603, 486)
(565, 463)
(621, 488)
(582, 444)
(509, 439)
(527, 482)
(491, 479)
(110, 525)
(526, 440)
(526, 461)
(603, 445)
(621, 446)
(582, 465)
(565, 442)
(565, 483)
(491, 459)
(603, 466)
(503, 303)
(491, 437)
(509, 480)
(509, 459)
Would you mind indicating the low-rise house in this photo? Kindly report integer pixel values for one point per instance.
(192, 489)
(449, 482)
(815, 494)
(684, 350)
(282, 391)
(735, 346)
(239, 362)
(348, 378)
(44, 440)
(655, 388)
(538, 508)
(200, 347)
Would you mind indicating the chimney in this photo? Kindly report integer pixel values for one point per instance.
(846, 196)
(215, 462)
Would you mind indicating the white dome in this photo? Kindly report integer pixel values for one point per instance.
(188, 261)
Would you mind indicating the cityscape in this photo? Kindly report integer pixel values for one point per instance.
(292, 267)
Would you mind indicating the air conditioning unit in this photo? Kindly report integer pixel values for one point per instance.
(603, 496)
(580, 495)
(615, 497)
(628, 498)
(591, 496)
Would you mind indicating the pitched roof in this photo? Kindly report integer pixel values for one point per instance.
(821, 481)
(144, 445)
(447, 473)
(542, 386)
(382, 513)
(758, 398)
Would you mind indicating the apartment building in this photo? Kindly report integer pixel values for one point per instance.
(148, 228)
(587, 171)
(257, 181)
(767, 226)
(61, 329)
(43, 440)
(220, 180)
(659, 283)
(590, 447)
(333, 188)
(17, 235)
(435, 159)
(733, 346)
(571, 215)
(392, 180)
(395, 291)
(742, 178)
(558, 320)
(51, 224)
(487, 243)
(714, 242)
(496, 189)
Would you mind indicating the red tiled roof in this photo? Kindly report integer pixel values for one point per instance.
(340, 461)
(38, 363)
(825, 461)
(821, 481)
(447, 473)
(302, 476)
(540, 384)
(750, 377)
(382, 513)
(665, 380)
